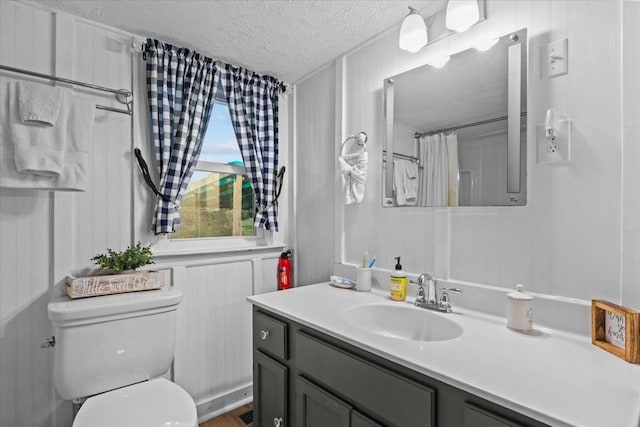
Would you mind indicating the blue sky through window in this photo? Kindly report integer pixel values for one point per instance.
(220, 144)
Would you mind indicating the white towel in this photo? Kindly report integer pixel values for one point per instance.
(405, 182)
(39, 104)
(39, 144)
(76, 117)
(354, 175)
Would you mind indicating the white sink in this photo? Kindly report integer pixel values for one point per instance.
(402, 321)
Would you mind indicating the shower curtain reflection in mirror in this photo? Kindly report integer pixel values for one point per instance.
(439, 174)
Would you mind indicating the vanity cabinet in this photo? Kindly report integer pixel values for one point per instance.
(305, 378)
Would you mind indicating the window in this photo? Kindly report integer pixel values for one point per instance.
(219, 201)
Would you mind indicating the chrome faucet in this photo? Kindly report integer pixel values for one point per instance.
(430, 299)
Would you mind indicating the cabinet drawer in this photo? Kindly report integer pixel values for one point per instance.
(270, 335)
(397, 400)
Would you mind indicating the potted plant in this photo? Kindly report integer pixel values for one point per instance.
(125, 261)
(117, 274)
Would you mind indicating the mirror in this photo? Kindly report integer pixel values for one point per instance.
(456, 135)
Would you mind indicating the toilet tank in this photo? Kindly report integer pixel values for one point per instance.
(111, 341)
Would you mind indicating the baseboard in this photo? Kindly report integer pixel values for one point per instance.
(223, 403)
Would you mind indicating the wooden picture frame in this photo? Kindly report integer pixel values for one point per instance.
(616, 329)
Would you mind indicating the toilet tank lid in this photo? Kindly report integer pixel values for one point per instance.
(64, 309)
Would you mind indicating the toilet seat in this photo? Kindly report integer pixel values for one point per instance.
(153, 403)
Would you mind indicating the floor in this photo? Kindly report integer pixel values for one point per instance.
(232, 419)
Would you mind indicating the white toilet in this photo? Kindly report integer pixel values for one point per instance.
(112, 349)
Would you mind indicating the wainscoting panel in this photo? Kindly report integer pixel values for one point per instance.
(213, 355)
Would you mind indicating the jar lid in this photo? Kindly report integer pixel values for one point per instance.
(519, 294)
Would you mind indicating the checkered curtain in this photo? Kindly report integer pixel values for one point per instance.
(181, 88)
(253, 106)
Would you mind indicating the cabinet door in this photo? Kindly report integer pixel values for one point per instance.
(316, 408)
(474, 416)
(359, 420)
(270, 392)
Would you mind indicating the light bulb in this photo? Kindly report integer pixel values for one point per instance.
(462, 14)
(413, 33)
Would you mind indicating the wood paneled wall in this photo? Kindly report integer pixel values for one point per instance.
(45, 236)
(568, 241)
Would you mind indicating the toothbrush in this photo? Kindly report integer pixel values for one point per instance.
(373, 261)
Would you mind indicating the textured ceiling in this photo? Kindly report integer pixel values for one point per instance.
(286, 39)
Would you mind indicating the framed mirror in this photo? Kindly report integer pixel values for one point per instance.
(456, 135)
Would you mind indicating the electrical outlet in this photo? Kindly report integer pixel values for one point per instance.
(554, 151)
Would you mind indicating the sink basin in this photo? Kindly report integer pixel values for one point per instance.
(402, 321)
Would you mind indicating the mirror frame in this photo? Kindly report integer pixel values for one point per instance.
(516, 111)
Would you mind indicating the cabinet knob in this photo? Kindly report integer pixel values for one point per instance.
(277, 422)
(263, 336)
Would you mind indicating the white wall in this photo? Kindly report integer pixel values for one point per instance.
(315, 177)
(567, 243)
(46, 236)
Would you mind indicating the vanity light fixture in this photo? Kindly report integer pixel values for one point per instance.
(486, 45)
(413, 33)
(462, 14)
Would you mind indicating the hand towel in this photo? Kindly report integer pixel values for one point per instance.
(39, 144)
(76, 117)
(354, 175)
(39, 104)
(411, 182)
(405, 182)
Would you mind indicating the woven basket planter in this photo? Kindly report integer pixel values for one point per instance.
(81, 287)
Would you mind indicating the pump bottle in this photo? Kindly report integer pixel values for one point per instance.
(398, 283)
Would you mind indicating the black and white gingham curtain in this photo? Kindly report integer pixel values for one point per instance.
(253, 105)
(181, 88)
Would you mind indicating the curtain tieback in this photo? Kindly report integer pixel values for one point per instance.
(144, 169)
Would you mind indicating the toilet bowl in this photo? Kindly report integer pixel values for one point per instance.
(114, 350)
(153, 403)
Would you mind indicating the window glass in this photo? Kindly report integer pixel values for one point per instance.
(219, 201)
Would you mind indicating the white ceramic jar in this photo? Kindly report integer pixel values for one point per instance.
(519, 310)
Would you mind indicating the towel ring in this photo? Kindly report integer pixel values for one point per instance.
(360, 140)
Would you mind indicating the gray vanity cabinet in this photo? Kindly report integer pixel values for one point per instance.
(270, 372)
(305, 378)
(317, 408)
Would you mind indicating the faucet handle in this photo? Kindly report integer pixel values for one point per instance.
(444, 297)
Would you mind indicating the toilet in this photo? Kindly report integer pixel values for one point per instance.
(113, 350)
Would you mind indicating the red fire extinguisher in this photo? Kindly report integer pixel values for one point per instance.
(285, 270)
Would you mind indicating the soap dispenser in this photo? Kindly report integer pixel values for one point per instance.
(519, 310)
(398, 283)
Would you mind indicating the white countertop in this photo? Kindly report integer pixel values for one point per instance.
(555, 377)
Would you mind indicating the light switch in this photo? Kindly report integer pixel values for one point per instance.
(554, 58)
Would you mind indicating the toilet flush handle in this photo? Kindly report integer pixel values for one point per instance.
(49, 342)
(277, 422)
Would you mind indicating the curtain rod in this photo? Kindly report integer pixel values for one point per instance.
(468, 125)
(120, 93)
(282, 86)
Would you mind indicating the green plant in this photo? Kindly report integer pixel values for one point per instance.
(129, 259)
